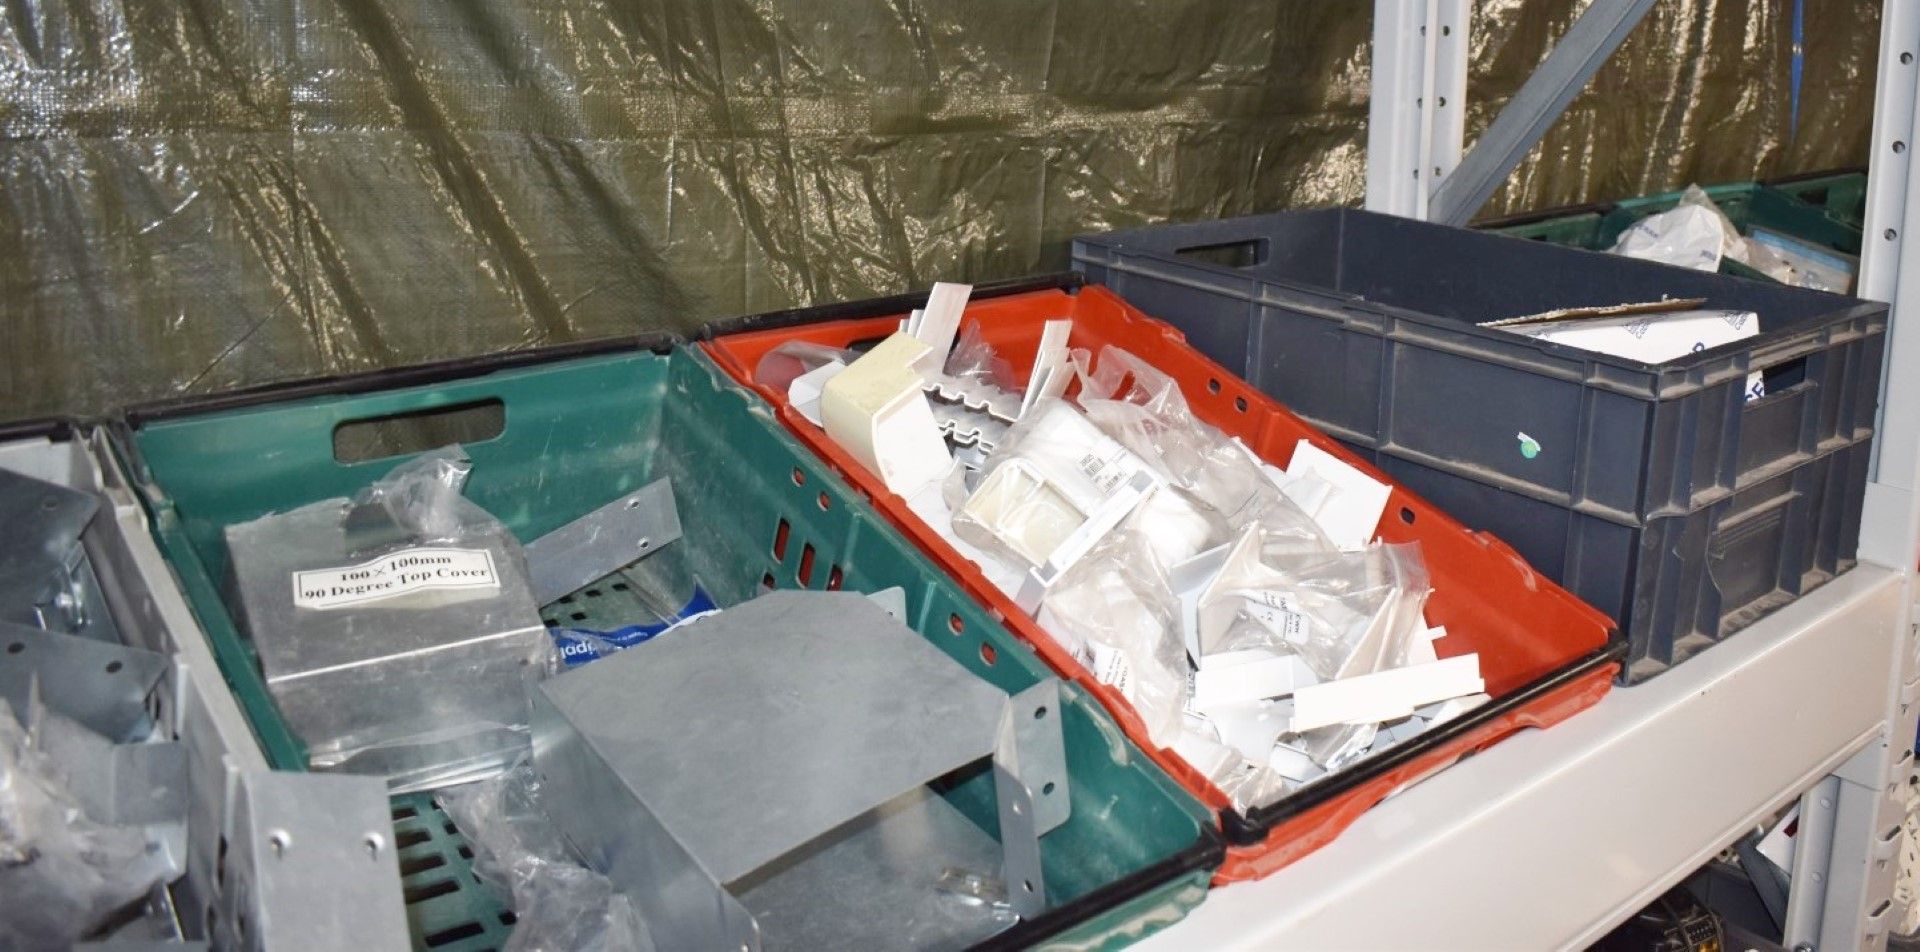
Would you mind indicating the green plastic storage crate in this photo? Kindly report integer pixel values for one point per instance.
(759, 512)
(1842, 195)
(1576, 226)
(1747, 204)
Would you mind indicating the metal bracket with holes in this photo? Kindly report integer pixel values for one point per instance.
(101, 685)
(311, 864)
(807, 733)
(603, 541)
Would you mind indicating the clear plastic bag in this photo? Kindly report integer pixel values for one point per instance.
(62, 875)
(422, 496)
(1115, 610)
(781, 365)
(1341, 614)
(1053, 471)
(1344, 613)
(1142, 409)
(1692, 234)
(974, 361)
(1696, 233)
(559, 905)
(397, 630)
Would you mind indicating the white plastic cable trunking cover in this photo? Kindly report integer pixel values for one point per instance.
(875, 410)
(1385, 695)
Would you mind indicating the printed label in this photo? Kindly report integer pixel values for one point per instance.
(1278, 614)
(1108, 471)
(581, 645)
(1112, 668)
(392, 575)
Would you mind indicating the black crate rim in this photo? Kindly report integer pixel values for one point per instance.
(1118, 244)
(1067, 281)
(54, 429)
(391, 378)
(1517, 219)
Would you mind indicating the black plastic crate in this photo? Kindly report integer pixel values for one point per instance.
(1642, 492)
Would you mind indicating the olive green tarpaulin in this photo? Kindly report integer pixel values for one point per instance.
(200, 194)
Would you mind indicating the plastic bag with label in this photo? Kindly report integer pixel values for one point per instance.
(1692, 234)
(1114, 610)
(1696, 233)
(1337, 614)
(396, 630)
(1142, 408)
(1053, 474)
(1344, 614)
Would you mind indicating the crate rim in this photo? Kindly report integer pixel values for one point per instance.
(1113, 250)
(138, 415)
(1538, 215)
(1808, 176)
(57, 429)
(1066, 281)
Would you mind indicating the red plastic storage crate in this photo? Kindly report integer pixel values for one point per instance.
(1544, 654)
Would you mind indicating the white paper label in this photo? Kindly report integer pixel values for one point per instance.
(1110, 470)
(1111, 667)
(1278, 614)
(392, 575)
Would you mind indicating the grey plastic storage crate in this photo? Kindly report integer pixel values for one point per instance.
(341, 886)
(1655, 492)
